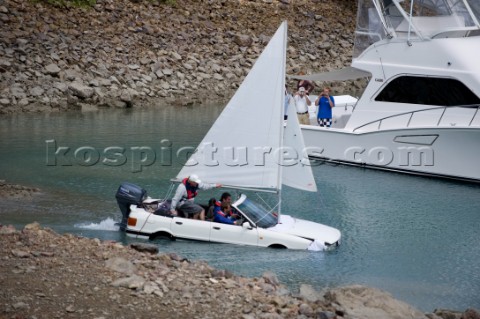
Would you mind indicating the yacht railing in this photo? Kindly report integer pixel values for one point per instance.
(412, 113)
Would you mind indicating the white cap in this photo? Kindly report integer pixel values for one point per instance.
(194, 178)
(301, 89)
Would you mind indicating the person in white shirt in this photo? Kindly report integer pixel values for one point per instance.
(185, 195)
(302, 102)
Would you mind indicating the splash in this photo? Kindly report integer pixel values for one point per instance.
(107, 224)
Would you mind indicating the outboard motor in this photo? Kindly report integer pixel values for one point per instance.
(129, 194)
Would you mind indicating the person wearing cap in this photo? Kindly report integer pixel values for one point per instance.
(308, 85)
(302, 102)
(185, 195)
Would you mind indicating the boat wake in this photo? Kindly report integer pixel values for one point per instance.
(107, 224)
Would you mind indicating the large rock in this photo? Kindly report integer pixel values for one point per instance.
(35, 226)
(471, 314)
(36, 91)
(143, 247)
(243, 40)
(62, 87)
(71, 75)
(447, 314)
(307, 292)
(132, 282)
(451, 314)
(80, 90)
(121, 265)
(18, 92)
(271, 278)
(364, 302)
(52, 69)
(4, 63)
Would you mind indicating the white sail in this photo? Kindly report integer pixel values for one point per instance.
(242, 148)
(247, 146)
(297, 171)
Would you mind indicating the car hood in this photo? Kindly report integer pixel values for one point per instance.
(307, 229)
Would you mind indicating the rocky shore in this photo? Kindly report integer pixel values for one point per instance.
(48, 275)
(44, 274)
(14, 191)
(121, 53)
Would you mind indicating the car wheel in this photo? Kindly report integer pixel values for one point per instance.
(277, 246)
(162, 235)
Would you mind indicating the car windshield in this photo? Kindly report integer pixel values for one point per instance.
(258, 214)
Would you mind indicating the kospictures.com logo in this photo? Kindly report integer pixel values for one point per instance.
(138, 157)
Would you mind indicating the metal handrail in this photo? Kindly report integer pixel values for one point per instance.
(477, 107)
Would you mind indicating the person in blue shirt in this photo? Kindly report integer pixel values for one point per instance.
(325, 102)
(223, 212)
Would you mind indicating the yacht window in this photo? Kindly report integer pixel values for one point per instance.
(427, 91)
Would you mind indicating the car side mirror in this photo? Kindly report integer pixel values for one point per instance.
(246, 225)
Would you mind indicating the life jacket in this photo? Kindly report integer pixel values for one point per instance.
(218, 209)
(191, 190)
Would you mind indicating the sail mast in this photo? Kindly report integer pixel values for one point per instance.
(281, 122)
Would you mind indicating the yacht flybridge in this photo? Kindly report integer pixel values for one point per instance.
(420, 110)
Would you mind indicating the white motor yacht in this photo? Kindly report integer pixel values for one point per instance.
(420, 110)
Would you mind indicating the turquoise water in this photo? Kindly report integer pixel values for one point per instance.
(415, 237)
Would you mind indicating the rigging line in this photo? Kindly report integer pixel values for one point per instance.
(146, 220)
(170, 190)
(269, 212)
(270, 209)
(261, 198)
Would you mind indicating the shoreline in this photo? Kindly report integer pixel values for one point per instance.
(52, 275)
(69, 275)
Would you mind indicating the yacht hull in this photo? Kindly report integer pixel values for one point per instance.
(449, 152)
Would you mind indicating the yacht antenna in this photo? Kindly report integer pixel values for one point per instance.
(410, 24)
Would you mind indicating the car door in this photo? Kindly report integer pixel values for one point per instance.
(190, 228)
(233, 234)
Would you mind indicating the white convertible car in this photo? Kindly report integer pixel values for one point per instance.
(257, 107)
(259, 227)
